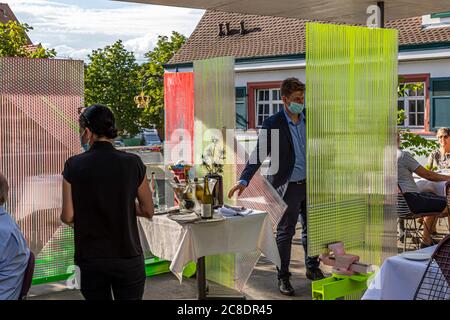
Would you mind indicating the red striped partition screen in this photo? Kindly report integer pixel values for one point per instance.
(179, 116)
(39, 99)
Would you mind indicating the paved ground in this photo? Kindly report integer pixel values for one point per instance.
(261, 285)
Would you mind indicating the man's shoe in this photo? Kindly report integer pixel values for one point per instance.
(285, 287)
(314, 274)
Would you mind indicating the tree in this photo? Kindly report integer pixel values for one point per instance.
(111, 78)
(152, 75)
(14, 42)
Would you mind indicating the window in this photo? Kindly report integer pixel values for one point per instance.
(268, 102)
(440, 104)
(412, 99)
(241, 108)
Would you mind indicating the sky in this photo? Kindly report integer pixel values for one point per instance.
(75, 28)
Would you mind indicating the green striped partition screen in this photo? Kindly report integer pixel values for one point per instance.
(215, 112)
(351, 83)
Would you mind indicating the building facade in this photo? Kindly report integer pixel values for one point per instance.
(270, 49)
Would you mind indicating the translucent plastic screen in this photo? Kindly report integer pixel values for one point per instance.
(39, 100)
(351, 83)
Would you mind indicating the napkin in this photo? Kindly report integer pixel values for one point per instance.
(228, 211)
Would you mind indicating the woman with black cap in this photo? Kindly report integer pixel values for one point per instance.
(100, 189)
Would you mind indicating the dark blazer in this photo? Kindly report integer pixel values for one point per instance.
(286, 150)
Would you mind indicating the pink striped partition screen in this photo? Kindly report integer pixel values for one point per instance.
(179, 116)
(39, 99)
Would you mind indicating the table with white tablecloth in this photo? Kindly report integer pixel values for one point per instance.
(398, 278)
(246, 236)
(436, 187)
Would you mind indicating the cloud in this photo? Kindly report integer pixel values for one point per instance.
(69, 52)
(141, 45)
(82, 27)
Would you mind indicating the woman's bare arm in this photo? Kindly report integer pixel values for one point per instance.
(67, 204)
(144, 207)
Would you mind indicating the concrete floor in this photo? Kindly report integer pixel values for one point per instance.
(262, 284)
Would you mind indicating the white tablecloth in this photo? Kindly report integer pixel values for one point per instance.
(247, 236)
(436, 187)
(398, 278)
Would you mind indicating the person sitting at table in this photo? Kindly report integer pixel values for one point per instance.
(14, 252)
(420, 202)
(440, 158)
(100, 189)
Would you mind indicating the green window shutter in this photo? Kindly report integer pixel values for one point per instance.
(241, 108)
(441, 15)
(440, 103)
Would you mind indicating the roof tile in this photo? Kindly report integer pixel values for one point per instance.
(276, 36)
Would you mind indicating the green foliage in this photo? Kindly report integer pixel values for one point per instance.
(152, 75)
(418, 145)
(213, 159)
(111, 78)
(428, 167)
(14, 42)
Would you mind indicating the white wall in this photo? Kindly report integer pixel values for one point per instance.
(436, 68)
(279, 71)
(242, 78)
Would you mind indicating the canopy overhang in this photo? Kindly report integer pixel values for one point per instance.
(348, 11)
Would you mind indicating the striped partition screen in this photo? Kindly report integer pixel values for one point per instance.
(215, 112)
(179, 116)
(351, 83)
(39, 99)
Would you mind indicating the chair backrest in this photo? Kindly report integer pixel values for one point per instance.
(28, 278)
(402, 205)
(442, 257)
(435, 282)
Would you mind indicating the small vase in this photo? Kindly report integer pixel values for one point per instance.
(217, 191)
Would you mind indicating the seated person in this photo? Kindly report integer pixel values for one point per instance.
(420, 202)
(14, 253)
(440, 158)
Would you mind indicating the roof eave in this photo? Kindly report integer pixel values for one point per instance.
(402, 48)
(287, 57)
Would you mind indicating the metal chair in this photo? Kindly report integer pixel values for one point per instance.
(408, 222)
(435, 282)
(28, 278)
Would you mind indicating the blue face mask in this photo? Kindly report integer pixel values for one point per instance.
(296, 108)
(85, 146)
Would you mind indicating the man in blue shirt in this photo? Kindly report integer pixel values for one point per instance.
(14, 252)
(289, 180)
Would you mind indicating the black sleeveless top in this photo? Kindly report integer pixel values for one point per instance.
(104, 185)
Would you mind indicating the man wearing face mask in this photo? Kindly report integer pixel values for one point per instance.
(289, 180)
